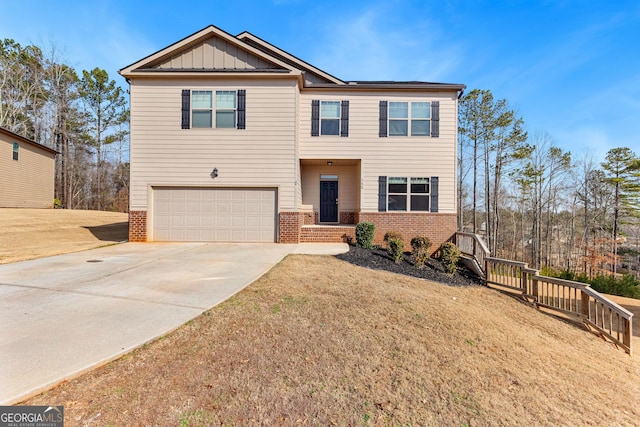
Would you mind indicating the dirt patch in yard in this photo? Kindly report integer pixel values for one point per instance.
(36, 233)
(318, 341)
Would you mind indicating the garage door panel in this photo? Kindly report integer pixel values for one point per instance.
(214, 214)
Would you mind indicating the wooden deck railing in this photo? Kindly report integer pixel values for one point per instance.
(573, 298)
(473, 246)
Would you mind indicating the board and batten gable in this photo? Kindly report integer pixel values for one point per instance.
(29, 181)
(164, 154)
(403, 156)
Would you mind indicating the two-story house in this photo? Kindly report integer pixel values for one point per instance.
(234, 139)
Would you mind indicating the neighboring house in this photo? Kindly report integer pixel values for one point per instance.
(234, 139)
(26, 172)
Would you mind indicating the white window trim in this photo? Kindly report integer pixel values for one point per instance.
(213, 109)
(408, 119)
(408, 193)
(339, 118)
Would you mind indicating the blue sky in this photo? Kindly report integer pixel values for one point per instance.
(570, 68)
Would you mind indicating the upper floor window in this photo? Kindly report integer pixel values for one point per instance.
(329, 118)
(201, 109)
(409, 118)
(16, 149)
(418, 118)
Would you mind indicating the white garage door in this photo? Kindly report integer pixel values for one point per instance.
(214, 214)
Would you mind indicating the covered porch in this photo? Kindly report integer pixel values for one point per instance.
(330, 199)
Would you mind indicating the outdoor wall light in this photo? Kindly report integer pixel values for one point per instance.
(214, 173)
(329, 163)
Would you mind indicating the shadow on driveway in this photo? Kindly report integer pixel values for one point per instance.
(116, 232)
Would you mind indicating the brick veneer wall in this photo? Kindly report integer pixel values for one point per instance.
(310, 218)
(327, 234)
(438, 227)
(347, 217)
(138, 226)
(290, 226)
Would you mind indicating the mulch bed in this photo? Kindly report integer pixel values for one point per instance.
(379, 259)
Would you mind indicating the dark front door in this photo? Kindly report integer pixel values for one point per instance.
(328, 201)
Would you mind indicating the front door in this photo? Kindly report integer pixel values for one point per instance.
(328, 201)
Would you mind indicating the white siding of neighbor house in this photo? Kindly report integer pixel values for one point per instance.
(390, 156)
(28, 181)
(164, 154)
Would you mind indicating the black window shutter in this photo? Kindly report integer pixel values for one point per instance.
(242, 105)
(186, 107)
(382, 194)
(344, 119)
(383, 118)
(434, 194)
(315, 117)
(435, 119)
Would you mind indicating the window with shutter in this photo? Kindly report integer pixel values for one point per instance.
(414, 194)
(209, 109)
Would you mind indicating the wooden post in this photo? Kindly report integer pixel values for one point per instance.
(627, 334)
(585, 305)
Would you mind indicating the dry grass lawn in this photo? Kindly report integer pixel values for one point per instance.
(36, 233)
(318, 341)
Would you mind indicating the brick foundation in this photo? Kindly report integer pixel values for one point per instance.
(347, 217)
(438, 227)
(290, 225)
(327, 234)
(138, 226)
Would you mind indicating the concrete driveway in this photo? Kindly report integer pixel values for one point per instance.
(63, 315)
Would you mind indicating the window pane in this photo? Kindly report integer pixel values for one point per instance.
(225, 119)
(330, 127)
(201, 99)
(419, 203)
(397, 180)
(420, 110)
(330, 109)
(225, 100)
(201, 119)
(419, 127)
(420, 185)
(397, 202)
(398, 128)
(398, 110)
(397, 185)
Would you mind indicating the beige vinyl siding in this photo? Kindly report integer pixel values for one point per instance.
(28, 181)
(164, 154)
(391, 156)
(298, 186)
(348, 186)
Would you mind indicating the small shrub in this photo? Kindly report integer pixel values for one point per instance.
(395, 245)
(364, 234)
(420, 250)
(392, 235)
(396, 249)
(449, 257)
(57, 203)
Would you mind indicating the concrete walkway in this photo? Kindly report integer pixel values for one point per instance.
(63, 315)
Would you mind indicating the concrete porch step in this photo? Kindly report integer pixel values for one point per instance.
(342, 233)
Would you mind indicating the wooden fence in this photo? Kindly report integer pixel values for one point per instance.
(573, 298)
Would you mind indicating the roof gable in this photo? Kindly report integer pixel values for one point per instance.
(12, 135)
(209, 49)
(312, 74)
